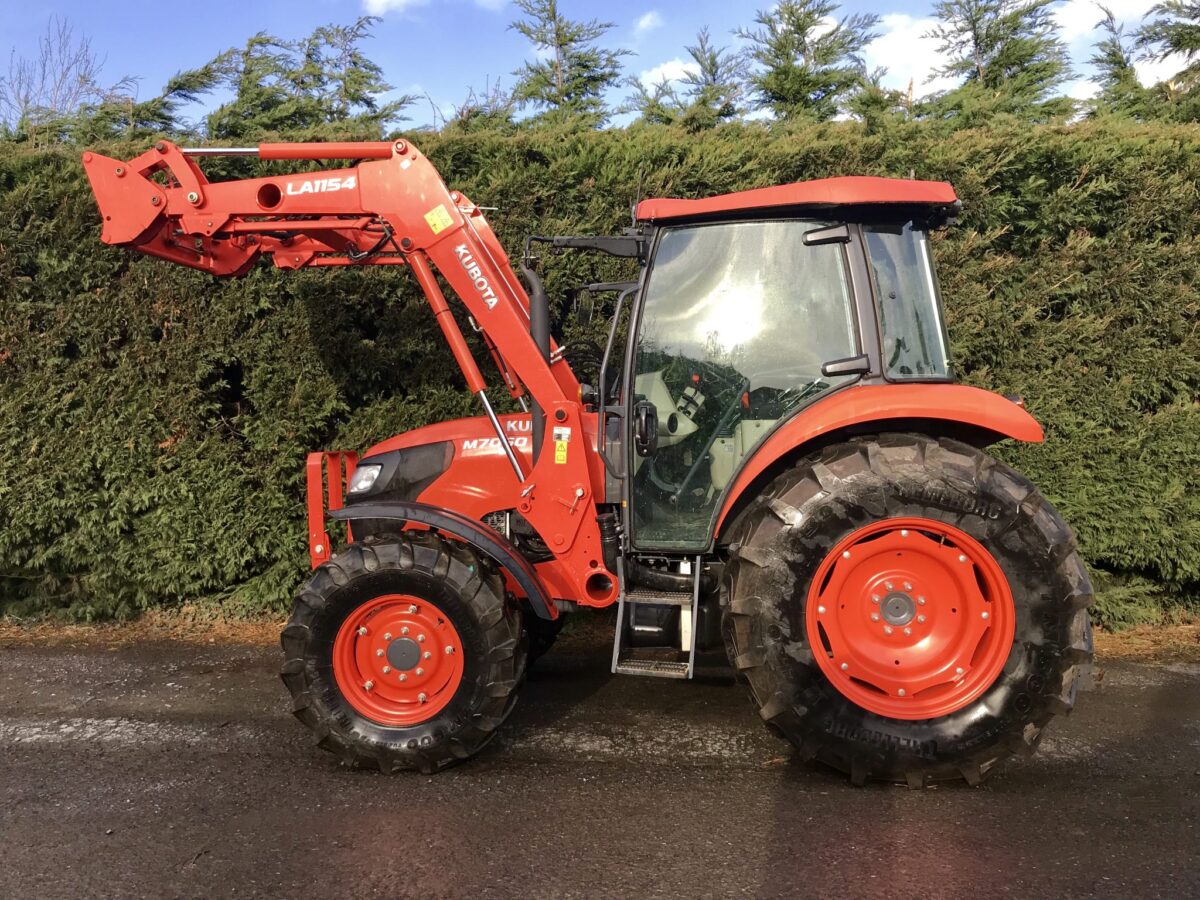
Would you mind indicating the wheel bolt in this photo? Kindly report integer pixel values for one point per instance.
(901, 692)
(362, 631)
(412, 608)
(845, 554)
(420, 671)
(985, 615)
(403, 677)
(386, 669)
(908, 585)
(369, 685)
(379, 653)
(888, 585)
(958, 671)
(920, 618)
(820, 609)
(874, 617)
(422, 698)
(903, 532)
(845, 666)
(887, 629)
(921, 601)
(962, 557)
(427, 654)
(387, 636)
(874, 598)
(420, 637)
(449, 650)
(908, 631)
(404, 630)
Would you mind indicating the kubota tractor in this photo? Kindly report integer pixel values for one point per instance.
(773, 455)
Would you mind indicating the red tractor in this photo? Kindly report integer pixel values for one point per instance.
(773, 455)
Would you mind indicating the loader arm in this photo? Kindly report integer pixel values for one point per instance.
(392, 208)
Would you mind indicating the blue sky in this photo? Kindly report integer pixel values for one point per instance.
(438, 48)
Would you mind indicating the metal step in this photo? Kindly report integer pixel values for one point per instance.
(659, 598)
(655, 668)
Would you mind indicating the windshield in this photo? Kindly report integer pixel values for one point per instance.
(738, 319)
(914, 341)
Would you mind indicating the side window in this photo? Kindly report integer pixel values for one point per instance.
(914, 340)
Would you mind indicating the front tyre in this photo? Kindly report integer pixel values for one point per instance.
(907, 609)
(401, 653)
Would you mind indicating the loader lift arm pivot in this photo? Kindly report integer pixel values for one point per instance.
(391, 208)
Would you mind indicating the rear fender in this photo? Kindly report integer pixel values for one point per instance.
(881, 407)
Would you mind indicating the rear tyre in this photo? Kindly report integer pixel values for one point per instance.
(906, 609)
(401, 653)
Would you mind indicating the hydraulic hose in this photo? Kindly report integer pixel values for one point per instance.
(539, 328)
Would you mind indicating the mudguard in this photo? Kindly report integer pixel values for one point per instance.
(895, 406)
(479, 536)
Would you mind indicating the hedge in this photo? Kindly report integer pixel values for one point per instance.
(154, 421)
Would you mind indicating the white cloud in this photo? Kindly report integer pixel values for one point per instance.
(648, 22)
(908, 55)
(1078, 18)
(1081, 89)
(672, 70)
(1151, 72)
(379, 7)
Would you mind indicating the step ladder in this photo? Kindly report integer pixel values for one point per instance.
(658, 662)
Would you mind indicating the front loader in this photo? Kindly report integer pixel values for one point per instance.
(771, 455)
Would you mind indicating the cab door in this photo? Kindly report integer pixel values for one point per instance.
(736, 321)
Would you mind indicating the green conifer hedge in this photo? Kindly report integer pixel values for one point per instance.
(154, 421)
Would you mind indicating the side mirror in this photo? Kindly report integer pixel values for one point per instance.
(645, 428)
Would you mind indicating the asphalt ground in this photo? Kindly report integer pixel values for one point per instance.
(172, 769)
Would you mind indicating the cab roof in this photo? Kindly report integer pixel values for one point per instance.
(854, 190)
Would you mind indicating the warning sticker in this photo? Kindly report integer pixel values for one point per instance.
(439, 219)
(562, 437)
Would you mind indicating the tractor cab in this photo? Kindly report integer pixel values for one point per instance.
(753, 306)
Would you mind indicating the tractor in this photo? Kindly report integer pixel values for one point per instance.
(773, 458)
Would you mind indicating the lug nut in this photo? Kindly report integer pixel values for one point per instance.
(921, 601)
(386, 669)
(369, 685)
(888, 585)
(193, 197)
(426, 655)
(412, 607)
(420, 671)
(403, 677)
(421, 637)
(845, 554)
(845, 666)
(449, 650)
(958, 671)
(874, 598)
(887, 629)
(962, 557)
(985, 615)
(404, 630)
(920, 618)
(422, 698)
(387, 636)
(901, 692)
(903, 532)
(820, 609)
(379, 653)
(908, 631)
(362, 631)
(874, 617)
(908, 585)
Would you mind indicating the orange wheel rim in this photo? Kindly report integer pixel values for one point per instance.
(398, 660)
(910, 618)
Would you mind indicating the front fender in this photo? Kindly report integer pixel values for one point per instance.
(890, 406)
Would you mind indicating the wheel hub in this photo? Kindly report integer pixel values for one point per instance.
(403, 654)
(398, 660)
(910, 618)
(898, 609)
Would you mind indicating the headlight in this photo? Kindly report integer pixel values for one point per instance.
(364, 479)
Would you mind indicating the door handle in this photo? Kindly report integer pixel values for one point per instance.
(645, 428)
